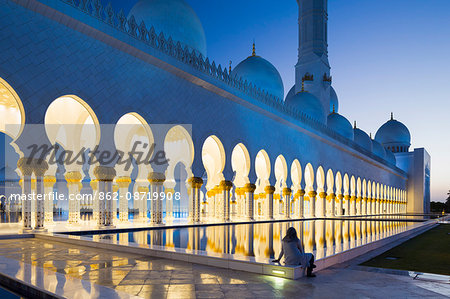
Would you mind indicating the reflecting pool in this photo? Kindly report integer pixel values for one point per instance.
(262, 241)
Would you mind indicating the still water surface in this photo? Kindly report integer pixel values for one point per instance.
(262, 241)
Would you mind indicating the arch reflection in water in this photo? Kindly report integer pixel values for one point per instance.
(262, 241)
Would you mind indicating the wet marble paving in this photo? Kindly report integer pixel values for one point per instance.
(150, 277)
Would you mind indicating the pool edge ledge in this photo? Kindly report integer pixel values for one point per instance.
(240, 265)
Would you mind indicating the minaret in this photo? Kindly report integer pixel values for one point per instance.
(313, 66)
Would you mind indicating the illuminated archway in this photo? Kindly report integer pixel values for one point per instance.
(329, 208)
(309, 187)
(12, 113)
(213, 157)
(240, 162)
(262, 168)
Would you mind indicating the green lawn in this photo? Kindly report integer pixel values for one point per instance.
(428, 252)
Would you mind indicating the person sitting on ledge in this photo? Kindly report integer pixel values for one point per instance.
(294, 254)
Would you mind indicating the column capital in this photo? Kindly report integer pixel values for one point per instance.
(26, 166)
(301, 192)
(169, 190)
(40, 167)
(269, 189)
(249, 188)
(143, 189)
(347, 197)
(115, 188)
(49, 181)
(94, 184)
(322, 194)
(331, 196)
(287, 191)
(123, 181)
(104, 174)
(195, 182)
(312, 193)
(73, 177)
(225, 185)
(156, 178)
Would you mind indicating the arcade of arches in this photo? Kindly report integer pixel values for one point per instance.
(299, 191)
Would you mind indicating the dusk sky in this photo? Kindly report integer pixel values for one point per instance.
(386, 56)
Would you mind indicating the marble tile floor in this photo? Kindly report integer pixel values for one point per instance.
(149, 277)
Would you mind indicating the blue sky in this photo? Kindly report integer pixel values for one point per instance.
(385, 56)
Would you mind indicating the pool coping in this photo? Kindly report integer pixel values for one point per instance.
(237, 264)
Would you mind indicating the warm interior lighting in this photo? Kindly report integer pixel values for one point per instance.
(278, 272)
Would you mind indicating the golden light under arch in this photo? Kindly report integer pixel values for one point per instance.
(12, 112)
(69, 128)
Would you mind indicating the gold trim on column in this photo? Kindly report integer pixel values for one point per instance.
(225, 185)
(73, 178)
(104, 174)
(249, 188)
(287, 191)
(156, 178)
(196, 182)
(123, 181)
(49, 181)
(269, 189)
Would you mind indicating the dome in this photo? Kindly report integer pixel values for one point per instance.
(334, 103)
(262, 74)
(362, 139)
(174, 18)
(390, 157)
(340, 125)
(290, 94)
(394, 135)
(378, 149)
(308, 104)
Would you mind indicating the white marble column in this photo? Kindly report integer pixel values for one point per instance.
(331, 198)
(287, 202)
(123, 183)
(143, 192)
(353, 205)
(95, 200)
(194, 199)
(73, 179)
(49, 183)
(225, 187)
(170, 197)
(269, 195)
(301, 204)
(40, 167)
(26, 168)
(249, 189)
(312, 203)
(321, 211)
(347, 198)
(340, 198)
(156, 181)
(105, 176)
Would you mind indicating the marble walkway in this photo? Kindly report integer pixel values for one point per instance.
(149, 277)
